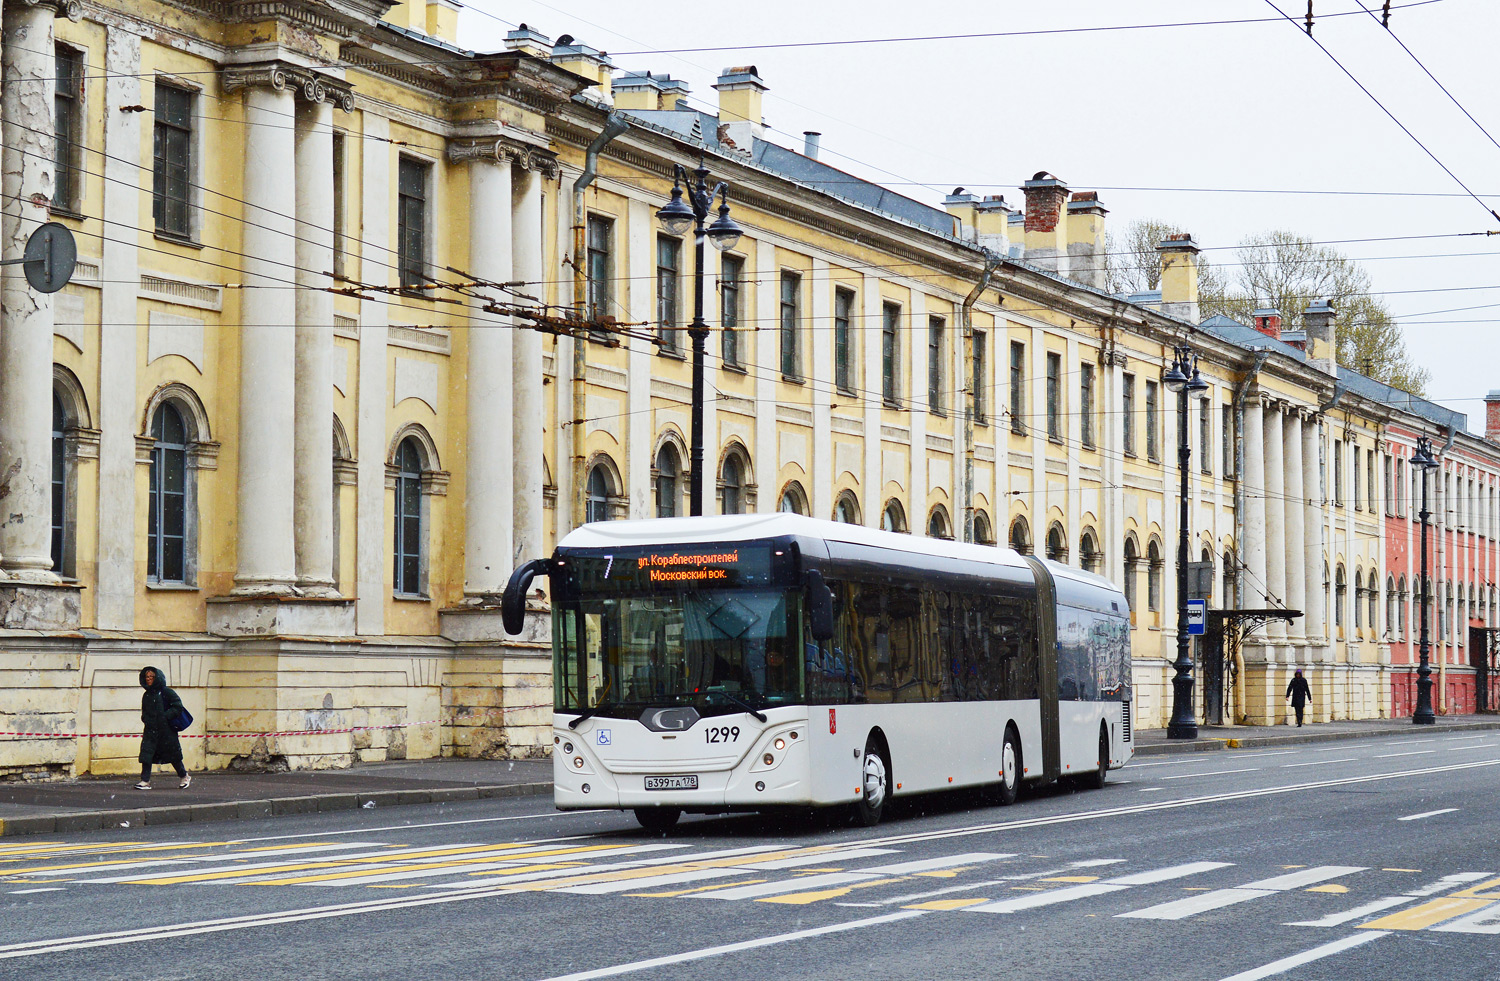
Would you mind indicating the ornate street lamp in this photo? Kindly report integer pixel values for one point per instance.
(1423, 716)
(1183, 378)
(688, 209)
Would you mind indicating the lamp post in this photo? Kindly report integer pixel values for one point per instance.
(1183, 378)
(1423, 716)
(676, 217)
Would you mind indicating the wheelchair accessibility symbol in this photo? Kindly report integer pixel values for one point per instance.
(604, 737)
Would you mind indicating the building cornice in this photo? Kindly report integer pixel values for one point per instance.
(307, 84)
(338, 17)
(503, 150)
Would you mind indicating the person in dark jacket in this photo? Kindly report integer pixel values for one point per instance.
(159, 742)
(1299, 693)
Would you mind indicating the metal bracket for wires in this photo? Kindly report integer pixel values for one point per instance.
(50, 257)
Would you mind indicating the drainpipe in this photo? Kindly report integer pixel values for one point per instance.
(992, 262)
(1442, 565)
(1240, 391)
(614, 125)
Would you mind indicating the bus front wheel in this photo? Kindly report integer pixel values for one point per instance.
(1004, 793)
(1096, 779)
(876, 785)
(658, 819)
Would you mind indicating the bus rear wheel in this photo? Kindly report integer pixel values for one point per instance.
(1004, 793)
(658, 819)
(876, 785)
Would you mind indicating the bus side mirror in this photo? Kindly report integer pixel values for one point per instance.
(513, 600)
(819, 606)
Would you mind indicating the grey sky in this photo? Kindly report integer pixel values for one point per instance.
(1230, 106)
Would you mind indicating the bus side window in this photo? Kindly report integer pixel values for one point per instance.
(906, 641)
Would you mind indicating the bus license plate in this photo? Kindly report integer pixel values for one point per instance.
(676, 782)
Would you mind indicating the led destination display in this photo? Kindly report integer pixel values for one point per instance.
(703, 567)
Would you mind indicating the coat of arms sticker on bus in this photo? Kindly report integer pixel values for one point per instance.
(833, 721)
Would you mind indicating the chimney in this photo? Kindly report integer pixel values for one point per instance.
(1086, 259)
(1322, 344)
(528, 41)
(591, 63)
(992, 223)
(1046, 227)
(674, 93)
(410, 14)
(637, 91)
(811, 141)
(1179, 277)
(1268, 322)
(1492, 415)
(442, 19)
(960, 204)
(740, 90)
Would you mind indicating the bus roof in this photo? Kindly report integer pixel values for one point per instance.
(751, 527)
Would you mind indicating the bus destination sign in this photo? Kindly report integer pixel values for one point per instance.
(706, 567)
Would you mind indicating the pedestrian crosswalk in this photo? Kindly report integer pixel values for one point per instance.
(883, 873)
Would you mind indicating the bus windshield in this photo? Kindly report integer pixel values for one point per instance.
(717, 650)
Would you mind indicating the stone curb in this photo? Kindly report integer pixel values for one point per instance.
(1216, 743)
(236, 810)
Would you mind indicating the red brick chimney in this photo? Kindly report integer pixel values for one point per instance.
(1046, 231)
(1268, 322)
(1492, 415)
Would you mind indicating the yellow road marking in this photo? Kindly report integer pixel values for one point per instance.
(1426, 915)
(1294, 866)
(1030, 888)
(1071, 878)
(651, 871)
(803, 898)
(1476, 892)
(413, 867)
(1331, 887)
(943, 873)
(940, 904)
(329, 864)
(530, 868)
(685, 892)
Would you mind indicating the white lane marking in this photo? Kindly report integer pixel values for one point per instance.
(1448, 882)
(606, 867)
(1210, 773)
(1133, 765)
(1152, 790)
(1168, 873)
(1408, 742)
(1346, 759)
(694, 955)
(819, 858)
(189, 860)
(665, 879)
(1067, 894)
(447, 866)
(804, 884)
(1179, 909)
(930, 864)
(1250, 756)
(549, 815)
(27, 892)
(1307, 956)
(1428, 814)
(1486, 920)
(1305, 877)
(970, 887)
(1358, 912)
(1415, 752)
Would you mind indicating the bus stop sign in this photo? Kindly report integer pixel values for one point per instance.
(1197, 617)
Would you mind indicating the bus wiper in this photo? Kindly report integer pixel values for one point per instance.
(742, 703)
(589, 713)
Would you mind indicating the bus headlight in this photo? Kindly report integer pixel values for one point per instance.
(780, 743)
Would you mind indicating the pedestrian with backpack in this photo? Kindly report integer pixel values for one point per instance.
(163, 716)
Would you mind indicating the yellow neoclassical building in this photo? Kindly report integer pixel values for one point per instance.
(362, 319)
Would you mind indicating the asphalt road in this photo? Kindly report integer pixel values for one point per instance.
(1367, 859)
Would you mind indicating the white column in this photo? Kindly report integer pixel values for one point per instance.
(1253, 548)
(1314, 623)
(1275, 517)
(26, 338)
(820, 469)
(372, 437)
(489, 480)
(267, 556)
(767, 363)
(872, 491)
(1298, 556)
(313, 487)
(527, 388)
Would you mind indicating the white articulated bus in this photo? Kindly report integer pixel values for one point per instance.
(762, 661)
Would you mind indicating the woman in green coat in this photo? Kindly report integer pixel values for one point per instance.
(159, 743)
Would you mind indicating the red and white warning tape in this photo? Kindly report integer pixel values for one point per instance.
(212, 735)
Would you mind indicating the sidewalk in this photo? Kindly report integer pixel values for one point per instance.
(92, 803)
(1154, 742)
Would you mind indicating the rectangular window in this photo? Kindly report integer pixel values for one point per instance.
(67, 125)
(601, 237)
(1054, 396)
(172, 139)
(1205, 436)
(1338, 472)
(979, 379)
(1127, 413)
(791, 323)
(731, 272)
(340, 199)
(668, 269)
(843, 340)
(1400, 487)
(1017, 387)
(935, 342)
(890, 346)
(1153, 438)
(1086, 403)
(411, 221)
(1390, 485)
(1355, 456)
(1226, 425)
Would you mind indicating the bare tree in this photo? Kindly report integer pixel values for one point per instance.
(1135, 265)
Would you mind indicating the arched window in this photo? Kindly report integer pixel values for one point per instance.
(1020, 536)
(793, 499)
(668, 471)
(1359, 599)
(60, 501)
(1390, 606)
(410, 537)
(893, 517)
(599, 489)
(1153, 575)
(732, 485)
(846, 508)
(937, 524)
(166, 525)
(1132, 570)
(71, 429)
(1227, 599)
(984, 532)
(1207, 558)
(1089, 555)
(1339, 591)
(1446, 625)
(1372, 602)
(1057, 543)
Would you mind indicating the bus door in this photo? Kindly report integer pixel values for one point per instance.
(1046, 607)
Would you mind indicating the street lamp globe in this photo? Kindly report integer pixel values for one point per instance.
(1196, 386)
(723, 233)
(1423, 456)
(675, 216)
(1175, 377)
